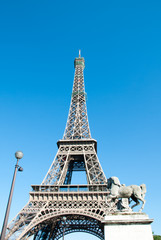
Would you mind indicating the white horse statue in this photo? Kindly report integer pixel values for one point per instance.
(132, 192)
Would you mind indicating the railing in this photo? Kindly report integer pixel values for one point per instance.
(69, 188)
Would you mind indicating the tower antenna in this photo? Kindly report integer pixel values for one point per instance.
(79, 53)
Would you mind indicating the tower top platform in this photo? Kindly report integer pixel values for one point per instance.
(79, 61)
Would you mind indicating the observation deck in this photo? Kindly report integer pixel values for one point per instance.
(69, 188)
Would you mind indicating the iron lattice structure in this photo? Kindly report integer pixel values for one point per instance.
(77, 124)
(54, 230)
(77, 145)
(83, 205)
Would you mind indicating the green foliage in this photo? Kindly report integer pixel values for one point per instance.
(157, 237)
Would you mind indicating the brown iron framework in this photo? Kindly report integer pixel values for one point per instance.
(54, 230)
(83, 205)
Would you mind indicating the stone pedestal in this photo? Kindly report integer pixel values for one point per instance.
(128, 226)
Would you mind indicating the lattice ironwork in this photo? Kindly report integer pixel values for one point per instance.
(75, 223)
(49, 203)
(77, 124)
(86, 205)
(60, 171)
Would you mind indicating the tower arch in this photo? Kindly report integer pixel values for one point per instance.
(54, 227)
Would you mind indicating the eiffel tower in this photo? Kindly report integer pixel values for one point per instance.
(83, 206)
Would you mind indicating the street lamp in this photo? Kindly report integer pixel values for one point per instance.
(18, 156)
(64, 225)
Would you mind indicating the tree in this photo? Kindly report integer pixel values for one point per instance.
(157, 237)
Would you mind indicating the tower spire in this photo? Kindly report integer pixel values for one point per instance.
(77, 126)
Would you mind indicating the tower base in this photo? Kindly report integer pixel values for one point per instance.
(125, 226)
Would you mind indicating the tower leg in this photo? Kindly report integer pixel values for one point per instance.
(125, 226)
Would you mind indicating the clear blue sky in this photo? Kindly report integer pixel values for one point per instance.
(121, 44)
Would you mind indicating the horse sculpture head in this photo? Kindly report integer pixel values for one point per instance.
(113, 181)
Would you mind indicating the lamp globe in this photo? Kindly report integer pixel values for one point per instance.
(19, 154)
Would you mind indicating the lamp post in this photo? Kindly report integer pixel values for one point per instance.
(64, 225)
(18, 156)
